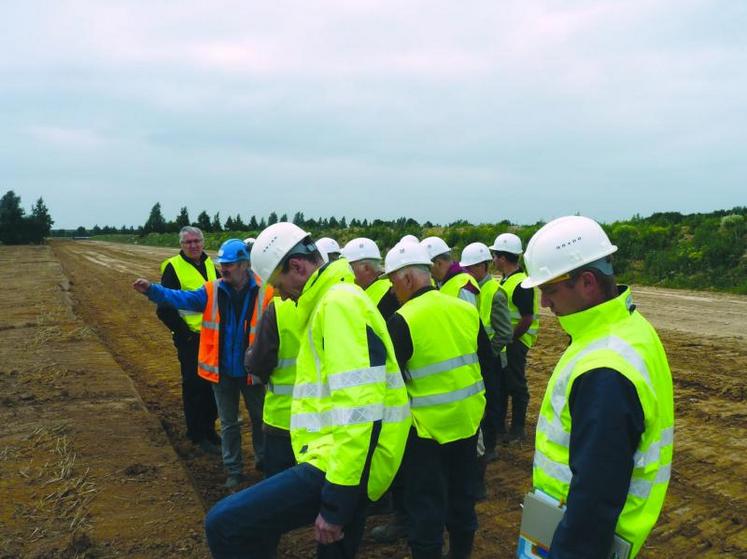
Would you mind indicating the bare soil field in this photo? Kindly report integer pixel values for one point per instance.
(95, 463)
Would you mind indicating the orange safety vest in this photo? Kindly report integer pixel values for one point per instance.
(208, 365)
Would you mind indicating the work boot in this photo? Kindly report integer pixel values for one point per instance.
(385, 505)
(208, 447)
(460, 545)
(390, 533)
(234, 480)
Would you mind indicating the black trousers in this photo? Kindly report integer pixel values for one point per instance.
(198, 400)
(514, 384)
(440, 485)
(493, 421)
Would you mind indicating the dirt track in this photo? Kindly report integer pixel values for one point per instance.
(704, 335)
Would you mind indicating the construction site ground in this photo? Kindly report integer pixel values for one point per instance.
(94, 461)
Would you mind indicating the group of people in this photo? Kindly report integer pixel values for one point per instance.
(369, 379)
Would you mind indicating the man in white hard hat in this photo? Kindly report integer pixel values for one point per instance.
(496, 320)
(364, 258)
(444, 353)
(523, 306)
(350, 415)
(450, 277)
(605, 432)
(328, 248)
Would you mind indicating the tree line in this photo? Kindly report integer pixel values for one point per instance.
(670, 249)
(18, 228)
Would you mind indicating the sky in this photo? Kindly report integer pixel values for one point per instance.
(479, 110)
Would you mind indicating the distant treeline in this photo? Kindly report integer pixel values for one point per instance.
(696, 251)
(17, 228)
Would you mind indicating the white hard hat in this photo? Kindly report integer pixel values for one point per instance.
(409, 239)
(273, 244)
(434, 246)
(405, 254)
(475, 253)
(327, 245)
(361, 249)
(507, 242)
(563, 245)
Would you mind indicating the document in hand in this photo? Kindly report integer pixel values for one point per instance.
(540, 518)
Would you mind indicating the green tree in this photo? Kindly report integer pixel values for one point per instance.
(41, 217)
(215, 225)
(272, 218)
(298, 219)
(182, 220)
(284, 217)
(203, 222)
(12, 222)
(229, 226)
(253, 225)
(156, 223)
(238, 224)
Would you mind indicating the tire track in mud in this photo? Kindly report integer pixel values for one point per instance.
(707, 499)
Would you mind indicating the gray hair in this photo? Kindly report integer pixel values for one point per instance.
(373, 262)
(184, 231)
(422, 270)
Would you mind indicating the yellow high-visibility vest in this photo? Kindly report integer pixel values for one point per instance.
(610, 336)
(444, 382)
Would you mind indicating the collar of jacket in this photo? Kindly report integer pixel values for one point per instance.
(599, 316)
(203, 257)
(319, 283)
(453, 270)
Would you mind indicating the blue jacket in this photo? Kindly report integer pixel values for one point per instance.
(234, 322)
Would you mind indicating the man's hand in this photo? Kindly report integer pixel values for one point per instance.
(141, 285)
(326, 533)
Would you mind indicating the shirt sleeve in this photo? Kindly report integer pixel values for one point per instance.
(262, 358)
(607, 426)
(467, 295)
(524, 300)
(388, 305)
(500, 320)
(177, 298)
(401, 339)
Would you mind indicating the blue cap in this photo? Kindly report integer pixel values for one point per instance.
(232, 250)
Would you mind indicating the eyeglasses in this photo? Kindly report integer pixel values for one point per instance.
(559, 279)
(193, 242)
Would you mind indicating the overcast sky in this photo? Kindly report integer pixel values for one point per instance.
(482, 110)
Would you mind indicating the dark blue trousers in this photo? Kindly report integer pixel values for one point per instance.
(278, 453)
(248, 524)
(440, 485)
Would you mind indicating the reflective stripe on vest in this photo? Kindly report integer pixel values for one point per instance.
(508, 286)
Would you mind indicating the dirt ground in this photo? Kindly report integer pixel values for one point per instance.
(95, 461)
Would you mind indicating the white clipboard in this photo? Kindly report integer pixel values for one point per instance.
(539, 521)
